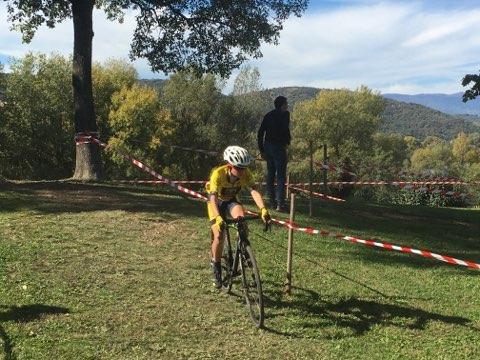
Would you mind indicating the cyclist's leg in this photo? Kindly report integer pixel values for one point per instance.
(236, 210)
(217, 245)
(217, 238)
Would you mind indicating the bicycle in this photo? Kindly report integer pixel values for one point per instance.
(243, 256)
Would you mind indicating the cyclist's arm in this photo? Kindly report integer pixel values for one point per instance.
(257, 197)
(213, 202)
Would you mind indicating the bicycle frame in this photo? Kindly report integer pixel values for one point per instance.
(241, 240)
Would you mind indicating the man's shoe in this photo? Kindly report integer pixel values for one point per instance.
(281, 208)
(217, 274)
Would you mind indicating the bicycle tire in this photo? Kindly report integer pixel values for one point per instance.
(252, 285)
(227, 262)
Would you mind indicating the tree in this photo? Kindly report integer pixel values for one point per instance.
(393, 148)
(344, 120)
(250, 103)
(210, 36)
(139, 125)
(37, 126)
(435, 158)
(474, 91)
(193, 101)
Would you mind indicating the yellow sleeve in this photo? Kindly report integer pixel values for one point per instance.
(214, 183)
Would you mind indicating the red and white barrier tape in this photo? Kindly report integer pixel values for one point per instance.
(308, 230)
(398, 183)
(85, 137)
(424, 253)
(386, 246)
(320, 195)
(161, 181)
(393, 183)
(152, 172)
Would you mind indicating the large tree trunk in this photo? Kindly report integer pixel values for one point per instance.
(88, 161)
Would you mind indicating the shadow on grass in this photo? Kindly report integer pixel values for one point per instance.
(348, 317)
(23, 314)
(326, 268)
(74, 197)
(447, 231)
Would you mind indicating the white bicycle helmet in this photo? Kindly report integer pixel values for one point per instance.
(237, 156)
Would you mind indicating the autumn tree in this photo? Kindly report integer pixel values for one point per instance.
(209, 36)
(344, 120)
(139, 125)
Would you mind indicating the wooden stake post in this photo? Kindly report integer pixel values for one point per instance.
(288, 186)
(311, 178)
(288, 284)
(325, 162)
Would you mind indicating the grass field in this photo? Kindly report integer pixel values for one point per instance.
(111, 272)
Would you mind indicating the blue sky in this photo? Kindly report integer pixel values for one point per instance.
(398, 46)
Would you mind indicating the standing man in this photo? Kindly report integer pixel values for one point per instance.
(273, 139)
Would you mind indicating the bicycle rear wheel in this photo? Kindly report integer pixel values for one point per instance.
(227, 262)
(252, 285)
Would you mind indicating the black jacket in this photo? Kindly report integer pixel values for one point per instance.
(275, 128)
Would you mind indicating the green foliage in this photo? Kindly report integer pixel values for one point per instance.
(393, 150)
(434, 158)
(37, 119)
(139, 125)
(397, 196)
(344, 120)
(420, 121)
(213, 37)
(210, 36)
(36, 123)
(108, 78)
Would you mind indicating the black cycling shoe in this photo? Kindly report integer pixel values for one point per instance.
(217, 274)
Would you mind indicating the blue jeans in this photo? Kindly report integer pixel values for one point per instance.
(276, 157)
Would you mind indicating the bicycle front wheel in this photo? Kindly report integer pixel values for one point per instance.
(227, 262)
(252, 285)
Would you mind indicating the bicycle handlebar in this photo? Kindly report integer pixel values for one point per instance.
(266, 227)
(244, 218)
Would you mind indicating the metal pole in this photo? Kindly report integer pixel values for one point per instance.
(288, 284)
(325, 162)
(311, 178)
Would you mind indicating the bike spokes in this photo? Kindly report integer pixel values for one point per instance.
(252, 285)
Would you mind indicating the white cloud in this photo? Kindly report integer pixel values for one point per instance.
(389, 46)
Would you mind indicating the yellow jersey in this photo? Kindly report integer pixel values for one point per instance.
(220, 184)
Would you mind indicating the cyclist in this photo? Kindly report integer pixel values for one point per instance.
(225, 183)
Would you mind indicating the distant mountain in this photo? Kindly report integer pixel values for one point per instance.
(448, 103)
(420, 121)
(294, 94)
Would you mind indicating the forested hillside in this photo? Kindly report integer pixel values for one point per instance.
(399, 117)
(420, 121)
